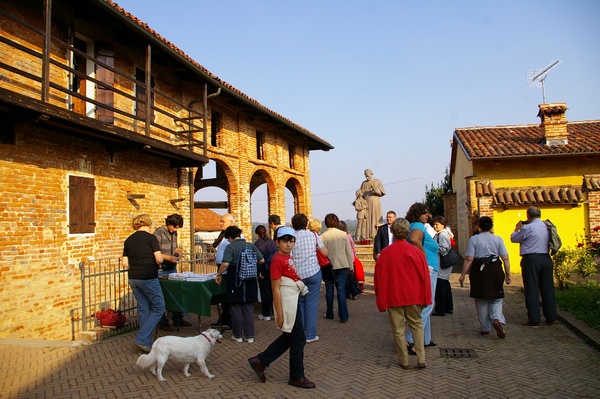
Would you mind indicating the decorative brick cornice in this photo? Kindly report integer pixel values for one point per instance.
(518, 196)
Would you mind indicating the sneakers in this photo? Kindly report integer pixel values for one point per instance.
(315, 339)
(265, 318)
(499, 328)
(226, 327)
(143, 348)
(238, 340)
(250, 340)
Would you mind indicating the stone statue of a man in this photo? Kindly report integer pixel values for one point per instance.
(372, 189)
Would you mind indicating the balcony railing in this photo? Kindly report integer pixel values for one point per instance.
(43, 67)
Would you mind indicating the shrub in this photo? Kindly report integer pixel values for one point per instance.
(567, 261)
(583, 301)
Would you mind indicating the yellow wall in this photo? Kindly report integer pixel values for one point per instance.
(570, 222)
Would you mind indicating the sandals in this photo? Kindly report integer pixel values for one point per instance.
(411, 349)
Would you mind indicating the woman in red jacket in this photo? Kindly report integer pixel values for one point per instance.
(403, 288)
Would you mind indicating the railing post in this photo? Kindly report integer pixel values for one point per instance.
(83, 307)
(148, 87)
(46, 53)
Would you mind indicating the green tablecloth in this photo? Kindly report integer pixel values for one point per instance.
(192, 296)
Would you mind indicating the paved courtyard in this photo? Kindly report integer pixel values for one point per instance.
(353, 360)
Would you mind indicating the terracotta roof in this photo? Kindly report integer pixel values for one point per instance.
(527, 141)
(206, 220)
(566, 194)
(205, 71)
(591, 182)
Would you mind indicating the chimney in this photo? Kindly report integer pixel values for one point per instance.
(554, 123)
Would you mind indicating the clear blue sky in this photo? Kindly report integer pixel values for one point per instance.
(387, 82)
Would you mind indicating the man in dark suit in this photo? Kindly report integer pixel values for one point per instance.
(384, 236)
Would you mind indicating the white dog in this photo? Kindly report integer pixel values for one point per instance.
(183, 350)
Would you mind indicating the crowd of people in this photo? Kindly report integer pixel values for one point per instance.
(411, 283)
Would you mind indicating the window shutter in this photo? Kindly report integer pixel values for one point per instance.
(81, 205)
(104, 95)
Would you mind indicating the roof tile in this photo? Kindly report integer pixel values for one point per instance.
(527, 140)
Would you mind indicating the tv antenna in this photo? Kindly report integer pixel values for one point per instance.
(536, 78)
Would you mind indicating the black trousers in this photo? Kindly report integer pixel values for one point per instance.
(294, 341)
(538, 280)
(266, 296)
(443, 297)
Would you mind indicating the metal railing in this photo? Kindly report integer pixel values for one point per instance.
(105, 285)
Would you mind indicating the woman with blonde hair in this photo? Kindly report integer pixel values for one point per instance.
(314, 225)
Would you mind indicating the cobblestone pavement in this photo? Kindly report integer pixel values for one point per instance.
(353, 360)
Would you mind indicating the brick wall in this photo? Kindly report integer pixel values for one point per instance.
(39, 272)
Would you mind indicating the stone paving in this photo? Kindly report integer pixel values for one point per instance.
(353, 360)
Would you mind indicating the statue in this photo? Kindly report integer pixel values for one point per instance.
(361, 206)
(372, 189)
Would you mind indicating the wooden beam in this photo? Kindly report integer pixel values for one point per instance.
(210, 204)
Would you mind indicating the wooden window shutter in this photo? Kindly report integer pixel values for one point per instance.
(105, 95)
(81, 205)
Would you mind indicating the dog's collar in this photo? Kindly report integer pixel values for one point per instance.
(208, 339)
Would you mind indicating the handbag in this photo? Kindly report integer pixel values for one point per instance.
(352, 287)
(449, 260)
(111, 318)
(323, 260)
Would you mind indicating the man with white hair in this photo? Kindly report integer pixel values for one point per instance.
(536, 267)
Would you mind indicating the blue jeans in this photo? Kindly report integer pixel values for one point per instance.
(341, 276)
(426, 312)
(309, 304)
(150, 307)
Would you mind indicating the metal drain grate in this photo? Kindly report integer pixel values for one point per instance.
(457, 352)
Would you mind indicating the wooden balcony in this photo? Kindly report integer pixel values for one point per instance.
(81, 89)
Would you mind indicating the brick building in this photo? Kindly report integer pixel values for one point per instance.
(103, 119)
(500, 171)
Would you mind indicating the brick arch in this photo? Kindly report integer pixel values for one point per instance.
(275, 203)
(225, 179)
(299, 194)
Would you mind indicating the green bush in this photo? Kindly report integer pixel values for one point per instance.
(582, 301)
(567, 261)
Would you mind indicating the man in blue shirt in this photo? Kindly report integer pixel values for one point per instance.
(536, 268)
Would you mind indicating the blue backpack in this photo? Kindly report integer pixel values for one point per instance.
(247, 265)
